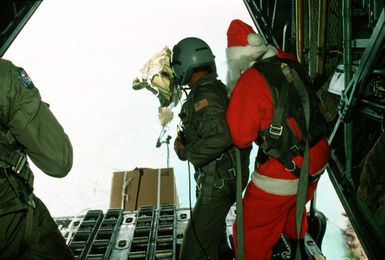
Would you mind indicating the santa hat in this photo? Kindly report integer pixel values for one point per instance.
(243, 41)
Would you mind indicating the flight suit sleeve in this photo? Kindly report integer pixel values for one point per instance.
(210, 126)
(35, 127)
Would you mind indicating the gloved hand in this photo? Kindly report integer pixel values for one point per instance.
(179, 147)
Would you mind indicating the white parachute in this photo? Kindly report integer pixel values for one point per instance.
(156, 76)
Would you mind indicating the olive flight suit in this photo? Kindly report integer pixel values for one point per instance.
(208, 146)
(27, 127)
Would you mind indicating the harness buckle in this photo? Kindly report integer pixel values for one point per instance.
(232, 171)
(219, 184)
(20, 164)
(296, 150)
(293, 167)
(275, 130)
(220, 157)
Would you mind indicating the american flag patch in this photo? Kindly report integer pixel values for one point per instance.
(201, 104)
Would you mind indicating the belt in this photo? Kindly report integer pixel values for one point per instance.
(227, 156)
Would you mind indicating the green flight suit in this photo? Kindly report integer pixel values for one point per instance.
(27, 126)
(208, 146)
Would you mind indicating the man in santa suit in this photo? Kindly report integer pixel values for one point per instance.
(270, 199)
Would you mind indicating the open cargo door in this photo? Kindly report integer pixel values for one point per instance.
(341, 43)
(14, 14)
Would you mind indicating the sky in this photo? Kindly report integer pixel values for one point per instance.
(82, 55)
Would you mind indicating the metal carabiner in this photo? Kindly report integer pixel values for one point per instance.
(294, 167)
(220, 185)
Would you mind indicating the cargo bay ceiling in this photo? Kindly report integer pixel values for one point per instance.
(14, 14)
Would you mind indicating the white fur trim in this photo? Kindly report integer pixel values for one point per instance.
(237, 52)
(256, 40)
(274, 186)
(270, 52)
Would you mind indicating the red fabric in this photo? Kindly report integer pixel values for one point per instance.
(250, 109)
(237, 33)
(294, 127)
(285, 55)
(266, 216)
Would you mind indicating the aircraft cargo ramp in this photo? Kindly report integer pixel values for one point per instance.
(146, 233)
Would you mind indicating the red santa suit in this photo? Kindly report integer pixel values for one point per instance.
(270, 198)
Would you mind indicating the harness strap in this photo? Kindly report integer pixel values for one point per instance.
(304, 173)
(17, 205)
(18, 163)
(19, 167)
(311, 178)
(269, 147)
(275, 141)
(239, 207)
(28, 224)
(230, 156)
(23, 202)
(276, 129)
(214, 178)
(285, 157)
(11, 206)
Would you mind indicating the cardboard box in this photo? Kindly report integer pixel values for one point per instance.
(139, 187)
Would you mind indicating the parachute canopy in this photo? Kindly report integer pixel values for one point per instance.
(157, 77)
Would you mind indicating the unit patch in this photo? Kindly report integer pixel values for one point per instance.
(198, 106)
(24, 78)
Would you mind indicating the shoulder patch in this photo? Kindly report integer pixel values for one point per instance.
(198, 106)
(24, 78)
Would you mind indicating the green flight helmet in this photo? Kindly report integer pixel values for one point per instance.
(189, 55)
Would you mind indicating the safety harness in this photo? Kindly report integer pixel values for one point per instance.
(293, 99)
(18, 163)
(18, 166)
(280, 140)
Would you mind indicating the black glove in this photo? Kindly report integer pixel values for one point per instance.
(179, 147)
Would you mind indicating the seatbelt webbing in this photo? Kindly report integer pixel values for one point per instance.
(239, 207)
